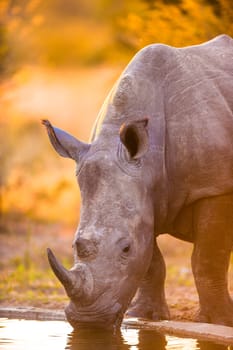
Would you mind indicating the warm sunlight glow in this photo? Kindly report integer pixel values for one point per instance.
(181, 344)
(131, 337)
(36, 335)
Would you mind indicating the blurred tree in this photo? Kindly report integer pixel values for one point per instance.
(175, 23)
(216, 6)
(19, 20)
(226, 16)
(71, 8)
(71, 32)
(4, 48)
(174, 2)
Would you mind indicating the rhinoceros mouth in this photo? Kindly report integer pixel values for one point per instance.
(96, 315)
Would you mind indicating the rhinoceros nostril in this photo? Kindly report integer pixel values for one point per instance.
(84, 247)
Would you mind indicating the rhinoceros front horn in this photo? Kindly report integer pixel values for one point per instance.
(62, 274)
(78, 282)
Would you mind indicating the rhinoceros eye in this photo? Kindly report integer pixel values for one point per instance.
(126, 249)
(125, 246)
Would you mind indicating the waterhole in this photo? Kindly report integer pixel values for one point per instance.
(35, 335)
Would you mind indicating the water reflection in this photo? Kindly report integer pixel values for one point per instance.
(128, 339)
(151, 340)
(37, 335)
(88, 339)
(134, 339)
(204, 345)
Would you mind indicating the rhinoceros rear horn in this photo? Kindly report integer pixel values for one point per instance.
(65, 144)
(134, 137)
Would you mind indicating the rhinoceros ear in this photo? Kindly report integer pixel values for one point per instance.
(134, 136)
(65, 144)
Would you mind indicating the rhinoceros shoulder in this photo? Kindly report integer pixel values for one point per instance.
(155, 55)
(158, 54)
(220, 40)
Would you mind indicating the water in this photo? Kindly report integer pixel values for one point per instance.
(35, 335)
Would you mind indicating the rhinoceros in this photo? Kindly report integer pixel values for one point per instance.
(160, 160)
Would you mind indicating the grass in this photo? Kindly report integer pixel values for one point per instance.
(25, 282)
(26, 278)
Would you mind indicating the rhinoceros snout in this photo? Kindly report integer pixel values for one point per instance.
(98, 314)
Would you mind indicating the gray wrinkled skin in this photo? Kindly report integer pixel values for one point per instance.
(160, 161)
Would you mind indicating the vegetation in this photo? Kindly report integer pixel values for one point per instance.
(25, 275)
(89, 32)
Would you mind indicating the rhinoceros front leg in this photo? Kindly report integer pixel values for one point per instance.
(213, 227)
(149, 301)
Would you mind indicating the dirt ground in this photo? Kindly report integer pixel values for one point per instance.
(26, 279)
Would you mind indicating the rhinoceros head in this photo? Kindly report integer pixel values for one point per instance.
(114, 241)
